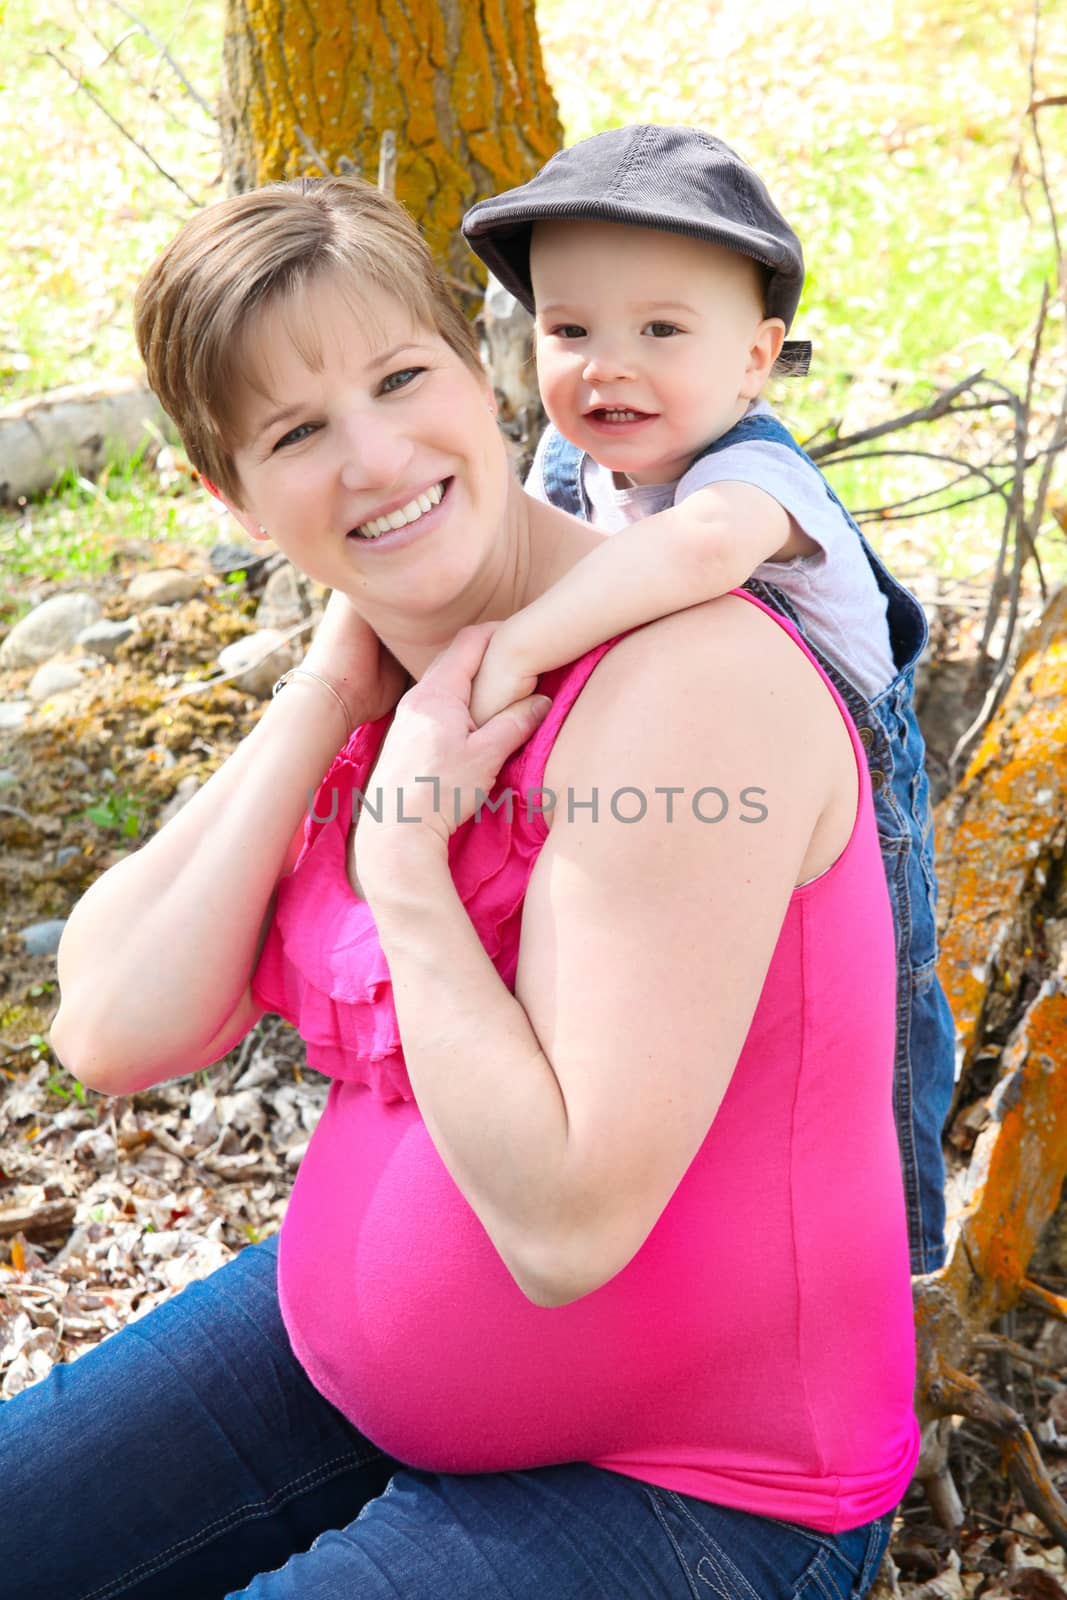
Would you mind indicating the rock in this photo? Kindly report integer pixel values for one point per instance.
(69, 852)
(52, 679)
(231, 557)
(258, 660)
(75, 426)
(13, 713)
(164, 758)
(42, 938)
(49, 629)
(104, 638)
(165, 587)
(282, 604)
(181, 797)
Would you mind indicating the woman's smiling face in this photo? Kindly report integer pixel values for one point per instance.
(368, 449)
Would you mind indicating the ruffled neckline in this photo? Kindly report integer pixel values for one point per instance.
(322, 966)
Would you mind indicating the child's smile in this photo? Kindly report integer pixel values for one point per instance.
(649, 344)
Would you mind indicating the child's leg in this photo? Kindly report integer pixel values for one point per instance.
(179, 1458)
(932, 1054)
(924, 1070)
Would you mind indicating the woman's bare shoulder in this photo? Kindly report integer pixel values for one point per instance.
(720, 670)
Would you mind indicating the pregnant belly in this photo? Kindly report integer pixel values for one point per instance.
(405, 1317)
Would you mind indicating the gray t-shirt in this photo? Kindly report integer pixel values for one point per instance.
(833, 591)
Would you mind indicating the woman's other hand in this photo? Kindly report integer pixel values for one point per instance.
(436, 766)
(348, 653)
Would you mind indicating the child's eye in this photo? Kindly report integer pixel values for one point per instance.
(568, 330)
(295, 435)
(661, 330)
(400, 380)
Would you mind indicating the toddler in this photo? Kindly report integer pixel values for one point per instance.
(663, 281)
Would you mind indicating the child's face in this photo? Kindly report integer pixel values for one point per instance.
(649, 345)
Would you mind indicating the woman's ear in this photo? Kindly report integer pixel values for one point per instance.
(255, 530)
(761, 357)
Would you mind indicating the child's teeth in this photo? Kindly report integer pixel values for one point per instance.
(398, 519)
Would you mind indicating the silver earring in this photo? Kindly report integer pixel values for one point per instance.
(262, 529)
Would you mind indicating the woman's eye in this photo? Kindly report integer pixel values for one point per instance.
(295, 435)
(401, 379)
(662, 330)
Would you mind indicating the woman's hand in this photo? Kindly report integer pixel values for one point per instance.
(348, 653)
(436, 766)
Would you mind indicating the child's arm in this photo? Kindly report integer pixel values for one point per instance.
(709, 544)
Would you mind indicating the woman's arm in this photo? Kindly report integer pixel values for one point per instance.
(709, 544)
(568, 1112)
(156, 960)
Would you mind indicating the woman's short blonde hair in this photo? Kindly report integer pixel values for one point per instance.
(241, 255)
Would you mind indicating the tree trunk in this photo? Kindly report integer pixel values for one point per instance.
(460, 83)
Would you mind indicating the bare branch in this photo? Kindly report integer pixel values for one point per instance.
(217, 682)
(111, 55)
(1041, 162)
(970, 469)
(126, 134)
(165, 54)
(896, 513)
(937, 408)
(314, 155)
(387, 163)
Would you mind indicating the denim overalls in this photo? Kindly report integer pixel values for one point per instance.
(926, 1038)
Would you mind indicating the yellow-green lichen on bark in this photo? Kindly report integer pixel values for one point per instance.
(460, 83)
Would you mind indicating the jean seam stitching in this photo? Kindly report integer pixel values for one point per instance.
(714, 1554)
(661, 1519)
(818, 1573)
(250, 1509)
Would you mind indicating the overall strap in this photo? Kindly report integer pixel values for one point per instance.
(562, 464)
(908, 631)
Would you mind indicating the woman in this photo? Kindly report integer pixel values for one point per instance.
(596, 1263)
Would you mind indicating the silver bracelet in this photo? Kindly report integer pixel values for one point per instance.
(306, 672)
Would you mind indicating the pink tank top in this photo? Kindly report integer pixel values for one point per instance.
(758, 1351)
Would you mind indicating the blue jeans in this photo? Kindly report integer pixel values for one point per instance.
(189, 1458)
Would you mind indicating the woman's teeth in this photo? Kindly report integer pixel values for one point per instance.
(398, 519)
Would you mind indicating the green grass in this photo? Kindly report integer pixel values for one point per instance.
(83, 529)
(894, 137)
(91, 210)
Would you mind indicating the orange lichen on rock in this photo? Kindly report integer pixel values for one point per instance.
(999, 831)
(1018, 1166)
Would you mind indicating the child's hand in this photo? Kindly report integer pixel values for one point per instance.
(434, 761)
(502, 678)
